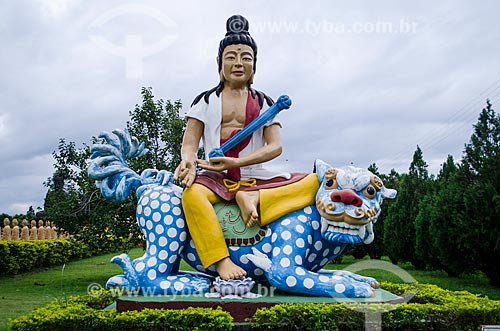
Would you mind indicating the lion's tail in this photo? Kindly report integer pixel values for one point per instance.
(108, 166)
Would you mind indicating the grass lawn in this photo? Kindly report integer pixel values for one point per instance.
(20, 294)
(477, 284)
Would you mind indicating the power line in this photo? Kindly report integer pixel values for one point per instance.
(457, 121)
(458, 127)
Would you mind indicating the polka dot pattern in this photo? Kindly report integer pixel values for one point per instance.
(293, 244)
(163, 255)
(266, 248)
(291, 281)
(174, 246)
(152, 261)
(339, 288)
(302, 218)
(159, 229)
(286, 235)
(308, 283)
(298, 259)
(285, 262)
(324, 279)
(300, 271)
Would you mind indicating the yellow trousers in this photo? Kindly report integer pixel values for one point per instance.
(203, 224)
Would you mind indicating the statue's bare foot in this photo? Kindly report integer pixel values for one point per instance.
(248, 202)
(228, 270)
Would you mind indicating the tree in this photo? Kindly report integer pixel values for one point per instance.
(481, 166)
(438, 225)
(74, 202)
(399, 226)
(30, 214)
(159, 125)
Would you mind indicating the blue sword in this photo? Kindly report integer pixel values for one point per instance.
(284, 102)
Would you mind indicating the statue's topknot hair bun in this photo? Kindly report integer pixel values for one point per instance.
(236, 24)
(237, 33)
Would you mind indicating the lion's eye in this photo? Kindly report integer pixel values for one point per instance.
(369, 191)
(331, 184)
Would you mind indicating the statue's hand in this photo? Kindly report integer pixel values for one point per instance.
(218, 163)
(186, 172)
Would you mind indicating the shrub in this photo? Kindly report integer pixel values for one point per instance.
(19, 256)
(86, 313)
(430, 308)
(308, 316)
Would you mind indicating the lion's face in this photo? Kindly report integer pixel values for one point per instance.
(348, 201)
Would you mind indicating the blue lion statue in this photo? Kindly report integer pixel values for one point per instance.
(289, 254)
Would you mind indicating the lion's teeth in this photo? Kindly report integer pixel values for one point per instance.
(362, 232)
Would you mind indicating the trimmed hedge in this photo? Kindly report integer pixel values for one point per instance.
(430, 308)
(86, 313)
(24, 255)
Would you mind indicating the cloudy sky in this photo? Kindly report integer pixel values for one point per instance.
(369, 80)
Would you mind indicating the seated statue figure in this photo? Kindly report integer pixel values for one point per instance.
(6, 231)
(33, 231)
(25, 231)
(41, 230)
(215, 116)
(15, 230)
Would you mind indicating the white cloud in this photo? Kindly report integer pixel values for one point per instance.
(4, 129)
(55, 8)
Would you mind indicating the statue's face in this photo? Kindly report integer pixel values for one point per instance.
(237, 64)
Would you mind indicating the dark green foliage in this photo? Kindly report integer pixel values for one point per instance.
(481, 166)
(159, 125)
(20, 256)
(399, 226)
(441, 233)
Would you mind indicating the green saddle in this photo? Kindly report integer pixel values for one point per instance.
(234, 229)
